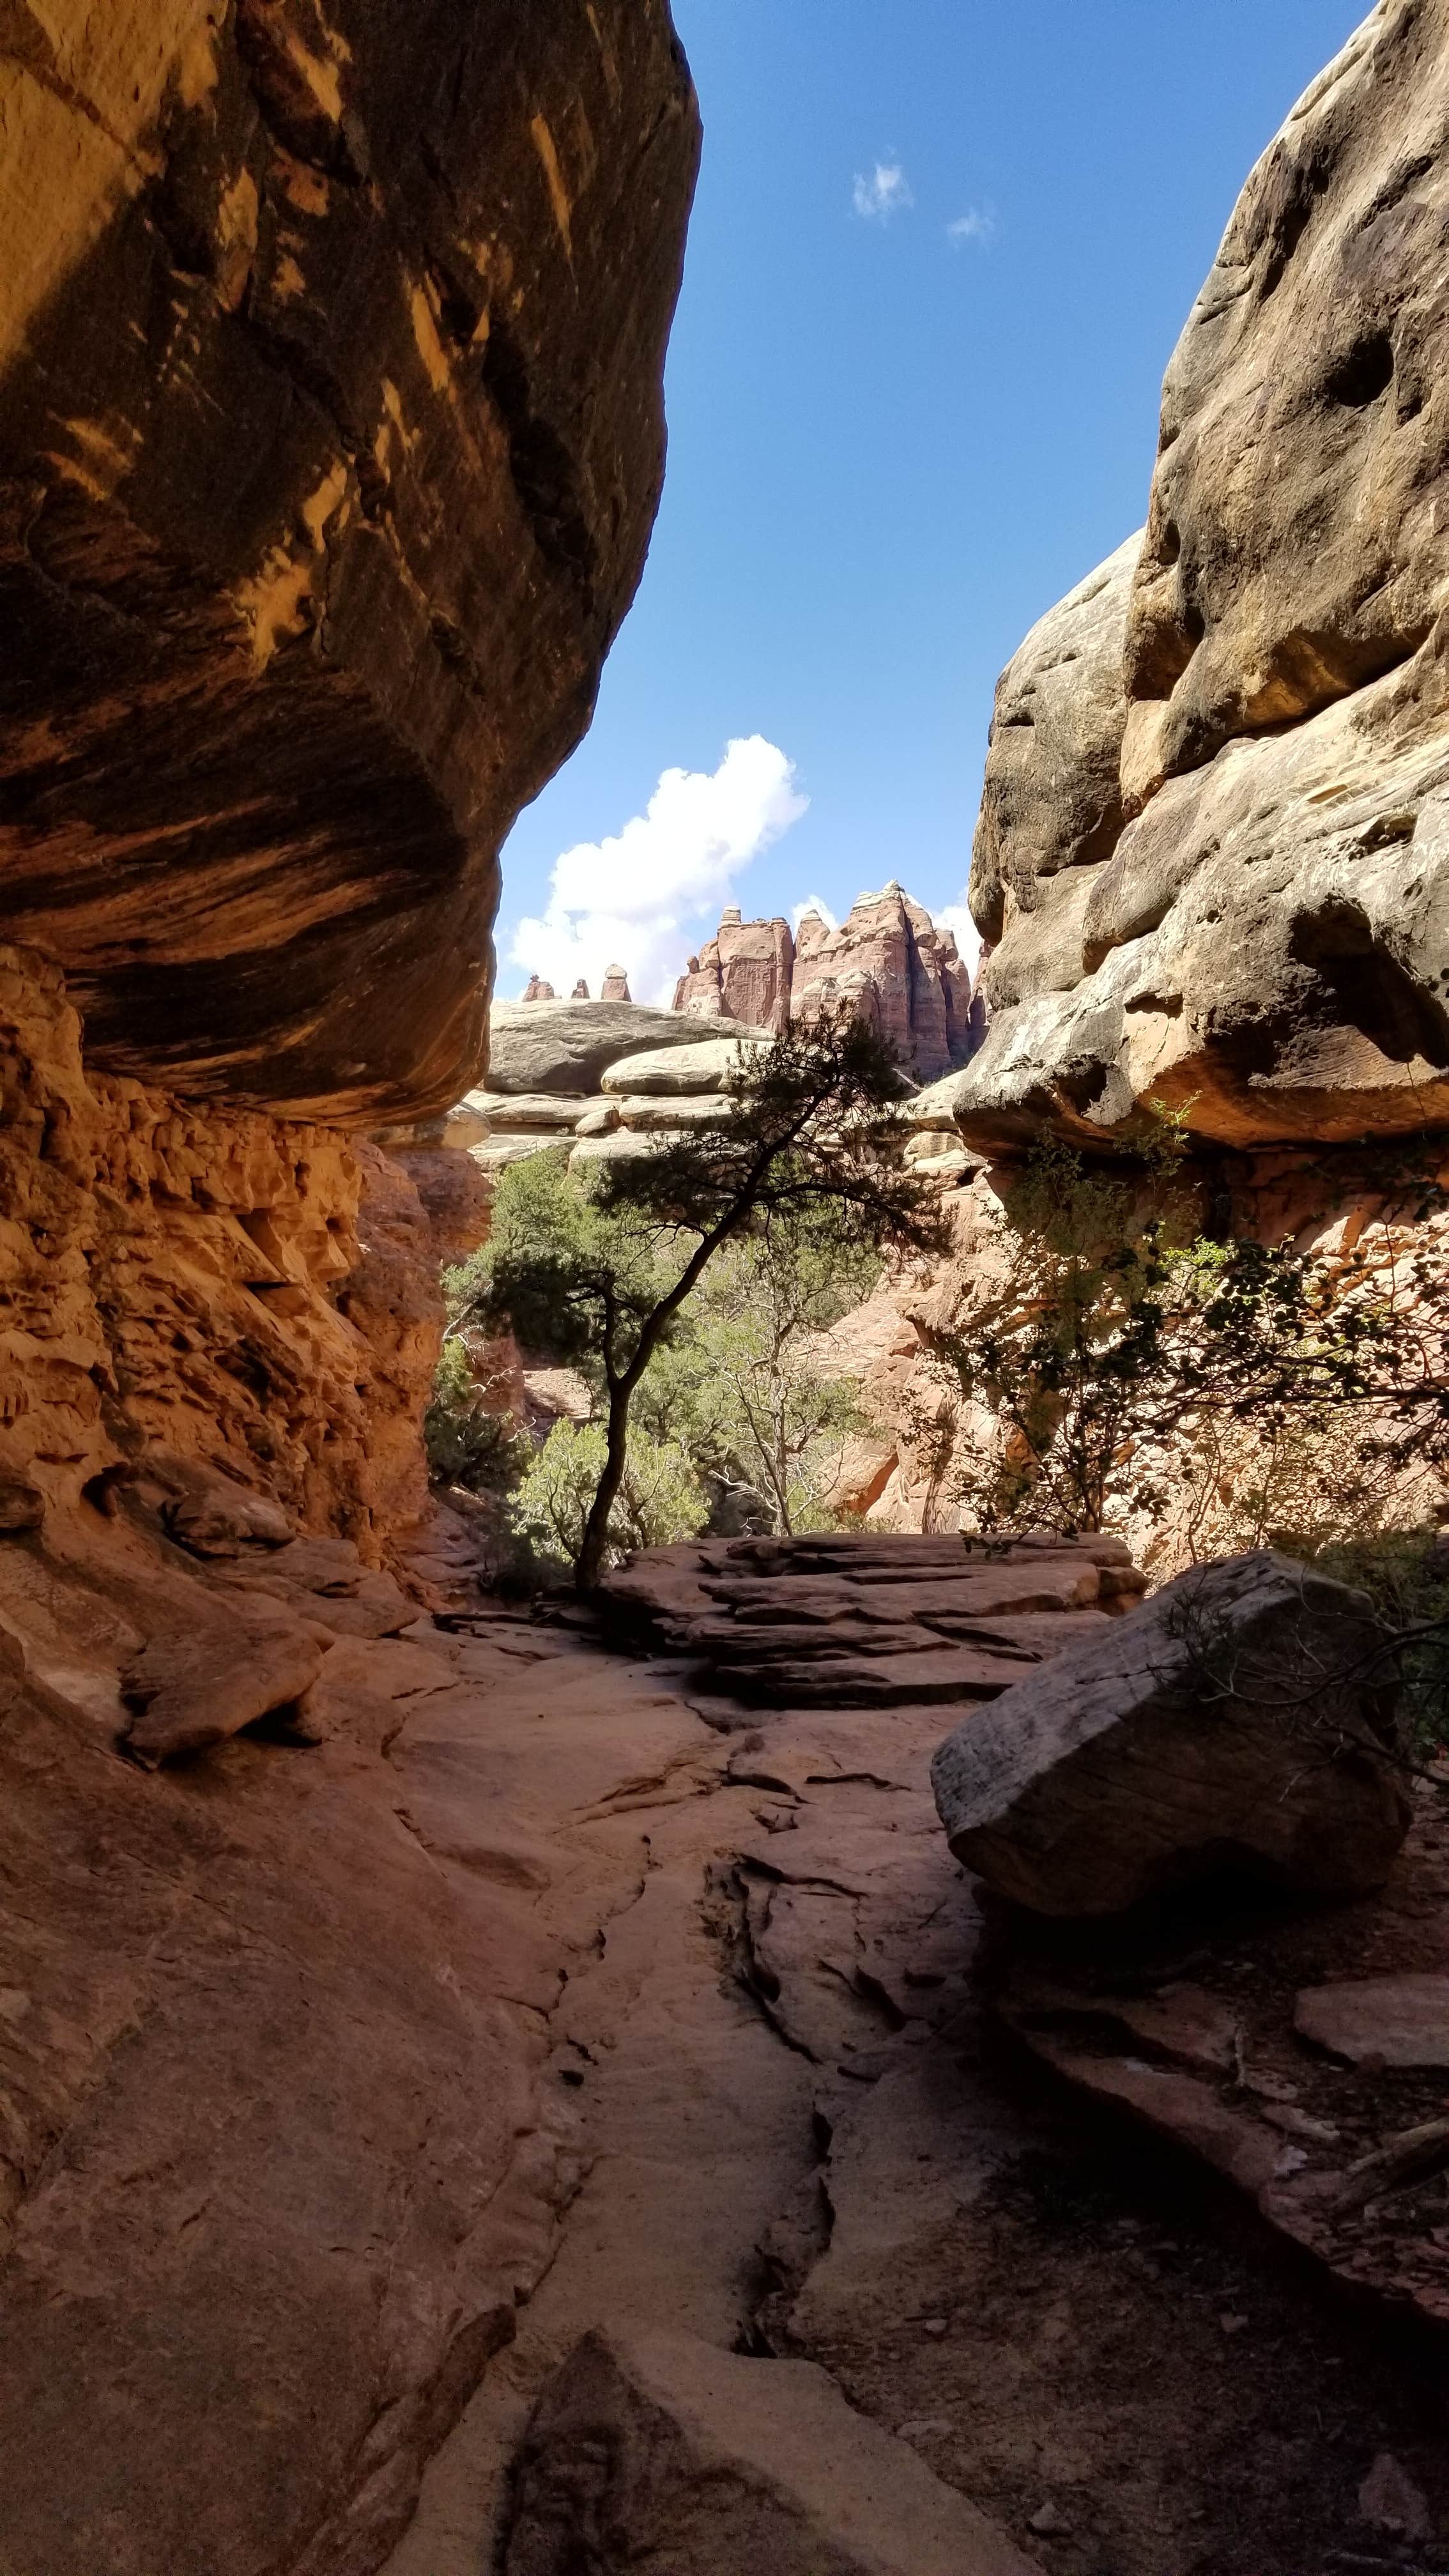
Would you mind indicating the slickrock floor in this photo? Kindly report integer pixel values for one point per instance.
(799, 2135)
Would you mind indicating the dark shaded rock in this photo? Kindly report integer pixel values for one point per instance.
(1243, 1719)
(197, 1682)
(656, 2449)
(853, 1622)
(330, 443)
(1401, 2021)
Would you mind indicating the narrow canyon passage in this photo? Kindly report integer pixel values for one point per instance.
(794, 2133)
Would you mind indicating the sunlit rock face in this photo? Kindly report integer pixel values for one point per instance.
(1247, 922)
(331, 435)
(888, 962)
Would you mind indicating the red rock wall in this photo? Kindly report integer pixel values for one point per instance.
(331, 437)
(218, 1284)
(888, 961)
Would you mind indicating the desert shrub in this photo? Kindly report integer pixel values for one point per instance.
(469, 1441)
(1405, 1574)
(1121, 1369)
(660, 1499)
(606, 1274)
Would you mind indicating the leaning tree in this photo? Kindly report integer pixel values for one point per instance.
(603, 1272)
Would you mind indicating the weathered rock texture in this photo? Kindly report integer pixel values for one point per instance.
(330, 443)
(1213, 845)
(1242, 1720)
(567, 1048)
(744, 973)
(888, 961)
(205, 1281)
(652, 2449)
(849, 1621)
(275, 2168)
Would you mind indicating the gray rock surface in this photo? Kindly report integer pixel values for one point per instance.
(1052, 799)
(1295, 545)
(1263, 947)
(1238, 1720)
(566, 1046)
(654, 2450)
(712, 1065)
(1400, 2021)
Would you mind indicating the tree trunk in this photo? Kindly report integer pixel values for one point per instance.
(596, 1528)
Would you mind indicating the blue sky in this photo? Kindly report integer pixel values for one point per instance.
(891, 446)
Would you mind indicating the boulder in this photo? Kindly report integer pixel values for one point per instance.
(356, 319)
(506, 1113)
(1295, 544)
(614, 988)
(611, 1145)
(651, 1114)
(652, 2449)
(566, 1047)
(714, 1066)
(1242, 1720)
(199, 1681)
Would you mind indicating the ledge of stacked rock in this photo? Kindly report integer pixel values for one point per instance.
(846, 1621)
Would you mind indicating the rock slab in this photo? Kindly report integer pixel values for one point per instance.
(653, 2451)
(1240, 1720)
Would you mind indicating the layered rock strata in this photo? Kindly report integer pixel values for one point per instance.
(888, 962)
(596, 1080)
(852, 1621)
(330, 442)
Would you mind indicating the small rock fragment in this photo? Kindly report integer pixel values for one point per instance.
(1390, 2499)
(1048, 2522)
(22, 1506)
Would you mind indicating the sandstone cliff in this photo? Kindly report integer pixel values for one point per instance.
(1212, 846)
(331, 337)
(888, 961)
(330, 443)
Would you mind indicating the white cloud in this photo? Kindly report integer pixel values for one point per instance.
(978, 225)
(956, 918)
(886, 192)
(813, 903)
(641, 897)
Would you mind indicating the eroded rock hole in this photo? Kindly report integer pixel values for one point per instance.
(1370, 989)
(1364, 374)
